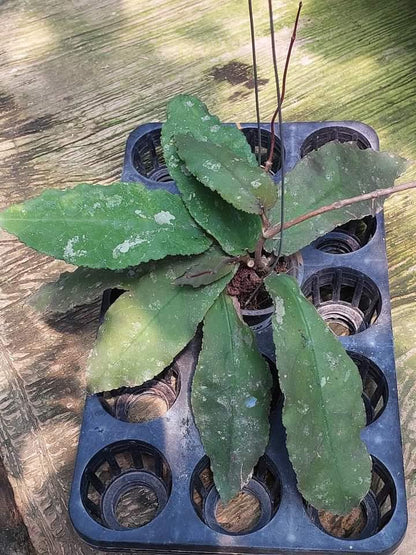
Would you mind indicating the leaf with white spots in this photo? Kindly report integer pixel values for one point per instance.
(231, 393)
(146, 327)
(331, 173)
(187, 114)
(246, 187)
(323, 410)
(236, 231)
(113, 226)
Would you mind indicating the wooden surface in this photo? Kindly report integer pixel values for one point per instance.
(77, 76)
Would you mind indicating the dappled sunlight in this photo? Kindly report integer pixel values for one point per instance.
(49, 449)
(26, 38)
(366, 55)
(78, 77)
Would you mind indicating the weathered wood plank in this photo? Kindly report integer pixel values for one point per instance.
(76, 78)
(14, 538)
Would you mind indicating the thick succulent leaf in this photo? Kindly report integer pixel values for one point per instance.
(235, 231)
(323, 410)
(187, 114)
(113, 226)
(334, 172)
(231, 398)
(82, 286)
(146, 327)
(246, 187)
(207, 268)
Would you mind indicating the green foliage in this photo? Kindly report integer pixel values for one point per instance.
(323, 410)
(122, 226)
(231, 397)
(334, 172)
(148, 326)
(207, 268)
(246, 187)
(235, 231)
(111, 226)
(187, 114)
(82, 286)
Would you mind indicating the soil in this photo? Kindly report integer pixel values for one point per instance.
(348, 526)
(239, 515)
(244, 284)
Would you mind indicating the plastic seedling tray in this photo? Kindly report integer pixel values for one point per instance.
(344, 274)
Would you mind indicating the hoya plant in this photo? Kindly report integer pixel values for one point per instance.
(178, 259)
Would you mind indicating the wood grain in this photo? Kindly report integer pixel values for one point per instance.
(76, 78)
(14, 537)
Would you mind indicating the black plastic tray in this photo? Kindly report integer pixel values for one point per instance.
(345, 275)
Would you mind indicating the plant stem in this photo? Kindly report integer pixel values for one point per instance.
(269, 162)
(259, 252)
(279, 112)
(289, 52)
(256, 83)
(275, 229)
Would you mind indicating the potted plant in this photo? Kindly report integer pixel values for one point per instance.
(180, 258)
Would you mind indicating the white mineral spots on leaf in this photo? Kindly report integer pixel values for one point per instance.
(170, 274)
(211, 165)
(215, 128)
(189, 103)
(69, 252)
(323, 381)
(255, 184)
(124, 247)
(279, 310)
(96, 205)
(140, 214)
(164, 218)
(114, 201)
(205, 118)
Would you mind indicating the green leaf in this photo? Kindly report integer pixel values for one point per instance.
(187, 114)
(235, 231)
(334, 172)
(323, 410)
(246, 187)
(207, 268)
(148, 326)
(82, 286)
(231, 398)
(111, 226)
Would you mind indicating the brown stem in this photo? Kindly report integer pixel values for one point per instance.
(269, 162)
(264, 219)
(289, 52)
(259, 252)
(275, 229)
